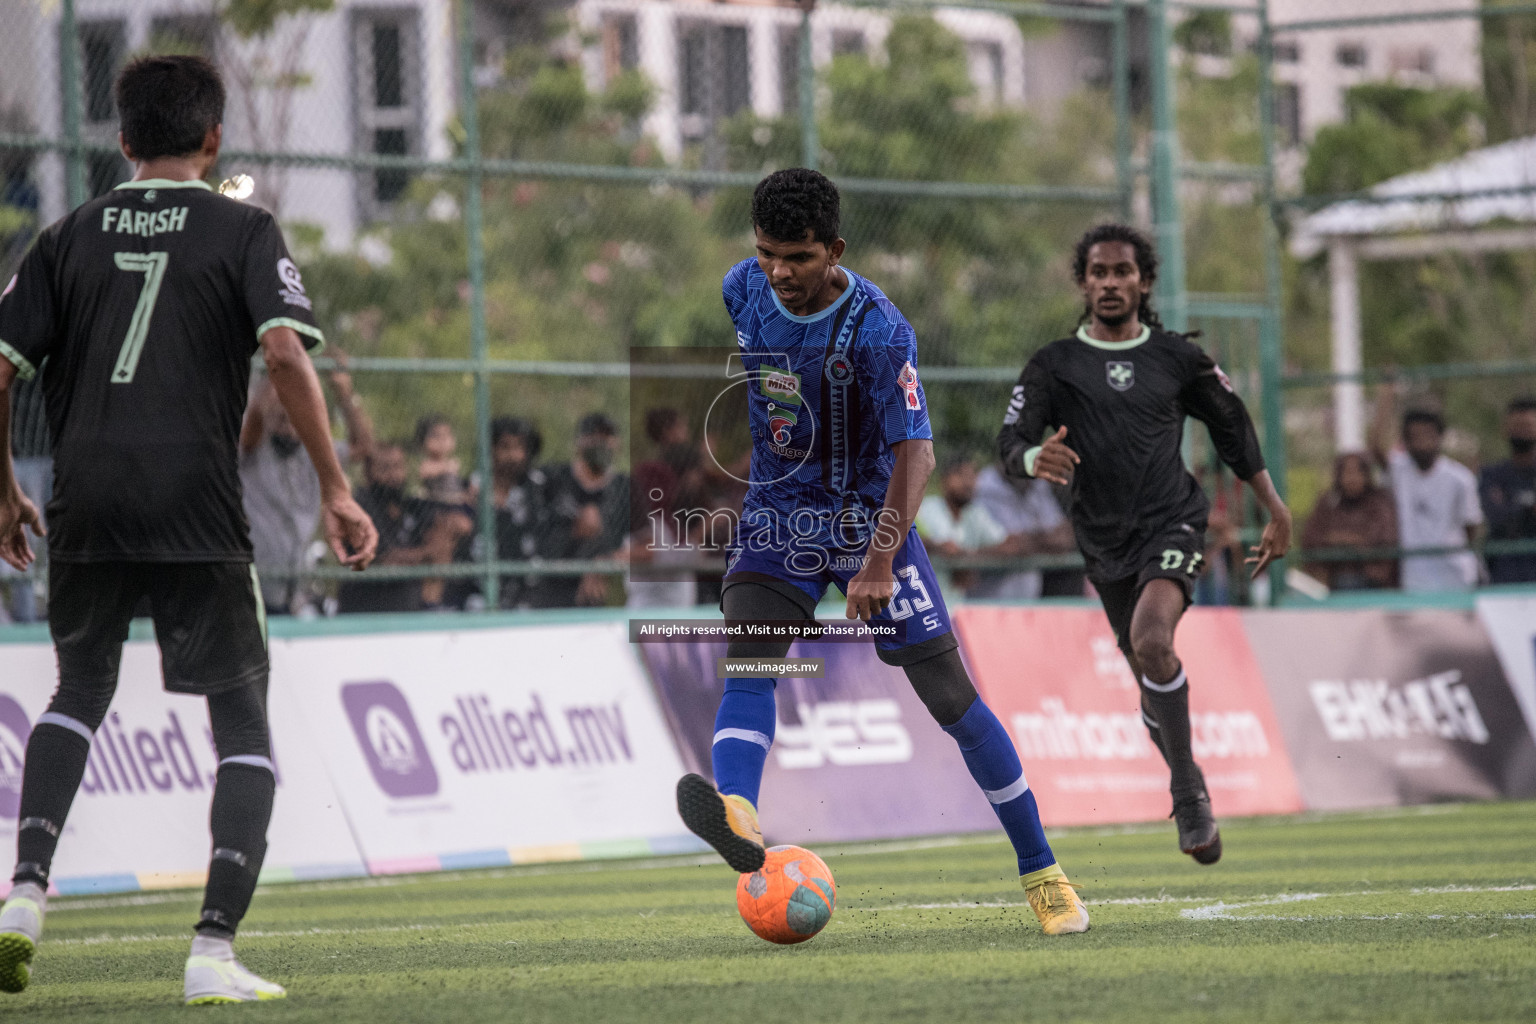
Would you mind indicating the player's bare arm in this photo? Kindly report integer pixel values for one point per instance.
(348, 530)
(872, 588)
(1276, 539)
(17, 513)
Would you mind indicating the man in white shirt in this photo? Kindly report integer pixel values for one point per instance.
(1437, 503)
(954, 523)
(1028, 513)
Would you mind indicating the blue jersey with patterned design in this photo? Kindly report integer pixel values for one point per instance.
(829, 395)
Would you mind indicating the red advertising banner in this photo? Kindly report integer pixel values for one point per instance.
(1060, 685)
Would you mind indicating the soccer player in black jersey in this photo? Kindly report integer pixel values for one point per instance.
(142, 310)
(1103, 411)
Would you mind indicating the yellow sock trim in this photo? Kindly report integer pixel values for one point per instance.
(1045, 874)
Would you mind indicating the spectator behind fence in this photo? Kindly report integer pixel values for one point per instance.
(953, 523)
(439, 472)
(1508, 490)
(1437, 505)
(664, 490)
(588, 514)
(411, 532)
(1029, 513)
(281, 491)
(1353, 513)
(519, 496)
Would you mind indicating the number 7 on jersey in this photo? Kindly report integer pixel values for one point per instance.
(152, 266)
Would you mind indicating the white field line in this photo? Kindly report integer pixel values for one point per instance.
(1220, 911)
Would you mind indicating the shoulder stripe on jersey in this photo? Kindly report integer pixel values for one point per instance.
(24, 368)
(166, 183)
(297, 325)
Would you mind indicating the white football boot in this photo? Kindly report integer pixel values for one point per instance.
(21, 926)
(215, 976)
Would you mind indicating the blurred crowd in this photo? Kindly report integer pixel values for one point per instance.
(1407, 493)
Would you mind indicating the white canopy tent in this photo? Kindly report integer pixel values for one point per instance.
(1482, 202)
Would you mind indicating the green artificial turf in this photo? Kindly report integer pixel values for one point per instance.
(1418, 915)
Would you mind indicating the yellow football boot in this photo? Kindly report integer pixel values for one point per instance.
(1056, 903)
(728, 823)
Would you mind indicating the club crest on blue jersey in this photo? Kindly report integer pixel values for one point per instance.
(1120, 375)
(781, 422)
(839, 369)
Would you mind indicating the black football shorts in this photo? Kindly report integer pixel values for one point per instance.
(209, 621)
(1178, 555)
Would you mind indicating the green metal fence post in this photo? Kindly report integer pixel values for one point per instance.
(810, 142)
(1271, 356)
(1167, 221)
(1120, 86)
(69, 87)
(474, 228)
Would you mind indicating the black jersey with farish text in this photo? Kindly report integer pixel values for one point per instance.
(147, 304)
(1124, 404)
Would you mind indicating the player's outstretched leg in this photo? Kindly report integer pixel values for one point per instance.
(1165, 708)
(944, 687)
(727, 818)
(242, 808)
(56, 755)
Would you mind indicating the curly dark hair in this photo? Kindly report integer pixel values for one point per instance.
(1146, 263)
(788, 203)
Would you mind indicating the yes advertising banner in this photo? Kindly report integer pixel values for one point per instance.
(490, 747)
(140, 819)
(1064, 691)
(855, 754)
(1382, 708)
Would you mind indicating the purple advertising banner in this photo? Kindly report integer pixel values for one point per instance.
(856, 755)
(1385, 708)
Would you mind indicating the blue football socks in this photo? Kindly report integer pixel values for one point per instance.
(744, 727)
(995, 766)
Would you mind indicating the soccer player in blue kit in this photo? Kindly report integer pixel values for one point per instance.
(841, 454)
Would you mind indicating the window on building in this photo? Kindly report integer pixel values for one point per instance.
(103, 50)
(387, 52)
(848, 41)
(1288, 113)
(716, 72)
(1287, 51)
(986, 67)
(789, 70)
(184, 33)
(1350, 55)
(621, 45)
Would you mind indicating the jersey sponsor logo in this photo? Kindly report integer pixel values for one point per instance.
(743, 340)
(144, 223)
(14, 731)
(1015, 406)
(1121, 376)
(1374, 709)
(293, 284)
(1226, 381)
(838, 369)
(391, 743)
(845, 733)
(781, 385)
(781, 424)
(907, 378)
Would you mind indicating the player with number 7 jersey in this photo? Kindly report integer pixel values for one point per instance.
(147, 303)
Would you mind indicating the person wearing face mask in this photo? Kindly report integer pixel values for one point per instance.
(280, 488)
(1437, 503)
(588, 503)
(1508, 490)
